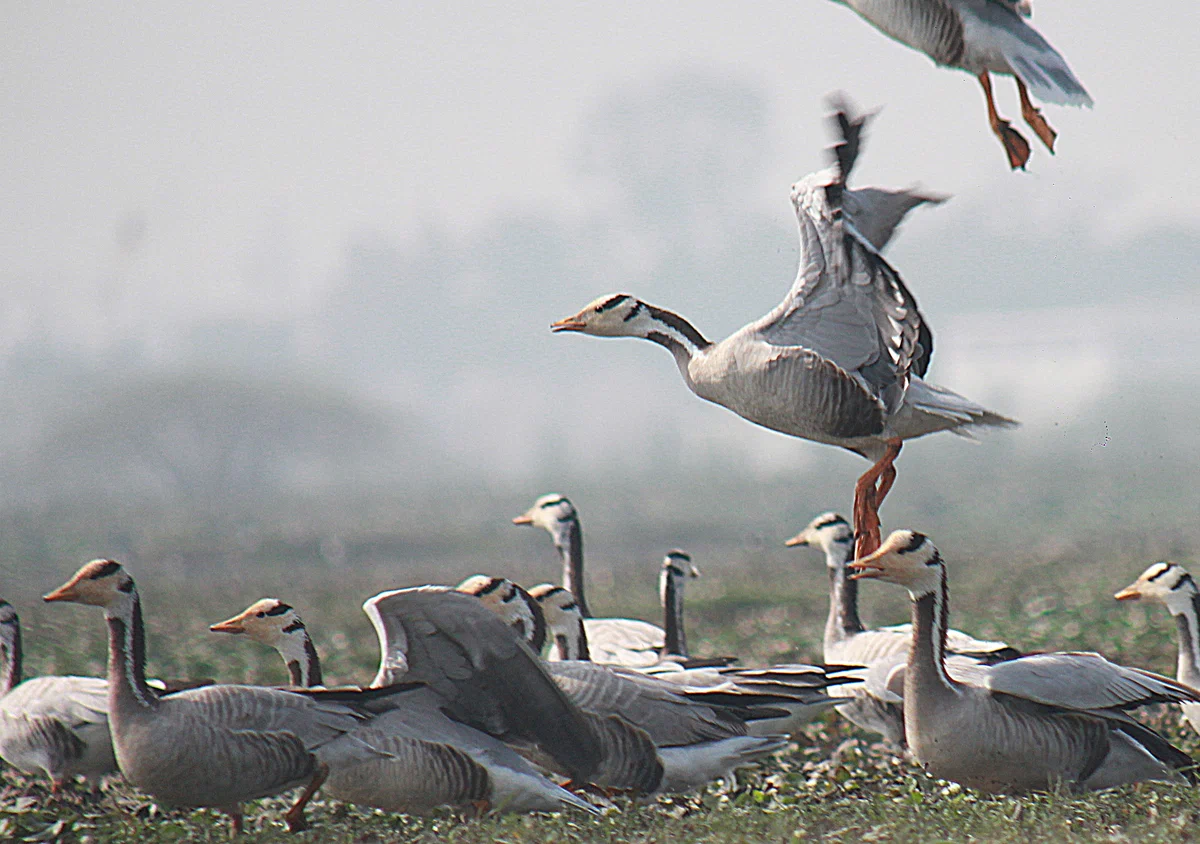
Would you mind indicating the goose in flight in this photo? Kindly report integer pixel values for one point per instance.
(1030, 723)
(431, 760)
(1171, 585)
(877, 704)
(841, 360)
(984, 37)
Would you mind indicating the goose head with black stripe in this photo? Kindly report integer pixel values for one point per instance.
(555, 514)
(277, 625)
(1172, 586)
(512, 603)
(831, 534)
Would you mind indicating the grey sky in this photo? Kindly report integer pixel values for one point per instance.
(181, 161)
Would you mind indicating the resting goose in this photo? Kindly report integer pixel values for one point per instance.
(616, 641)
(216, 746)
(800, 690)
(841, 360)
(874, 705)
(57, 726)
(698, 734)
(984, 37)
(1029, 723)
(431, 759)
(1171, 585)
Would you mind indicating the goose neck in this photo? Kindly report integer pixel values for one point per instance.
(127, 687)
(569, 542)
(843, 621)
(926, 675)
(11, 661)
(570, 640)
(1186, 624)
(675, 638)
(300, 656)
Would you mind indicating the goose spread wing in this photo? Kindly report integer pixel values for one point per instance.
(483, 675)
(1080, 681)
(75, 701)
(847, 304)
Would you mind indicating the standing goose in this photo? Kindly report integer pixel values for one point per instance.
(1171, 585)
(874, 705)
(57, 726)
(984, 37)
(432, 760)
(840, 360)
(1029, 723)
(698, 734)
(618, 641)
(215, 746)
(802, 691)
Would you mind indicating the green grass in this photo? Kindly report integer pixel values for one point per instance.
(766, 605)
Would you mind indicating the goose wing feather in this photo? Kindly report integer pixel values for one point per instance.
(482, 674)
(668, 717)
(1081, 681)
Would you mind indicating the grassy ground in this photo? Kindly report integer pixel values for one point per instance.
(766, 605)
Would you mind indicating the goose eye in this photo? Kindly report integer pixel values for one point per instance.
(260, 615)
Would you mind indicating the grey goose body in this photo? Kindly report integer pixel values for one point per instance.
(841, 360)
(1036, 722)
(411, 757)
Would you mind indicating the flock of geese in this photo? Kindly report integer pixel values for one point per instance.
(465, 712)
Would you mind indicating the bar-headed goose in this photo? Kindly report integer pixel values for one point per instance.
(877, 704)
(57, 726)
(984, 37)
(1171, 585)
(216, 746)
(841, 360)
(1029, 723)
(431, 760)
(802, 691)
(616, 641)
(699, 734)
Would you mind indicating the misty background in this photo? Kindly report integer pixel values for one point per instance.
(278, 280)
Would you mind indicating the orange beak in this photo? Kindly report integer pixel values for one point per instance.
(1129, 593)
(798, 539)
(66, 592)
(523, 519)
(230, 625)
(867, 567)
(571, 323)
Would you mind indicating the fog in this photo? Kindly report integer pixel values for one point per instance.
(289, 272)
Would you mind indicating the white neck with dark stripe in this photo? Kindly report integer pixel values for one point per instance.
(1186, 610)
(843, 621)
(568, 539)
(127, 687)
(299, 654)
(11, 656)
(674, 634)
(672, 332)
(926, 674)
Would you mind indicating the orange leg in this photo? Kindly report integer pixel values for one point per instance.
(1014, 144)
(295, 816)
(1033, 116)
(868, 497)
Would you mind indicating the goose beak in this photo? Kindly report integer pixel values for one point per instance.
(571, 323)
(229, 625)
(66, 592)
(523, 519)
(693, 571)
(1129, 593)
(868, 567)
(799, 539)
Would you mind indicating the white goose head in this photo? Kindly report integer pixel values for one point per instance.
(269, 622)
(622, 315)
(1167, 583)
(100, 583)
(677, 568)
(559, 608)
(906, 558)
(551, 512)
(828, 531)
